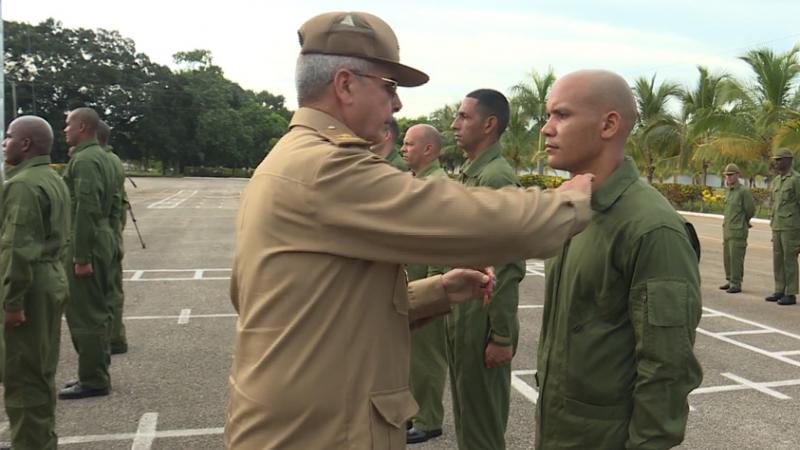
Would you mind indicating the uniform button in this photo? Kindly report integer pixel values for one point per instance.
(577, 328)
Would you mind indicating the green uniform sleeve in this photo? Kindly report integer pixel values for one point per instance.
(748, 204)
(665, 309)
(88, 211)
(21, 243)
(503, 321)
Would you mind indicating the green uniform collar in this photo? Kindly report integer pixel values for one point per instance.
(473, 168)
(429, 169)
(735, 186)
(393, 154)
(85, 144)
(35, 161)
(619, 181)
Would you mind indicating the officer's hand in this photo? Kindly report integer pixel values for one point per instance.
(83, 270)
(497, 355)
(14, 318)
(580, 183)
(461, 285)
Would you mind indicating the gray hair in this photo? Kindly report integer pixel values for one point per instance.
(315, 70)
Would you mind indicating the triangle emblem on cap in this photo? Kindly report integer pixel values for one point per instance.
(348, 20)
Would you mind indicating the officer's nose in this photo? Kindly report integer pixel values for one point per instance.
(397, 105)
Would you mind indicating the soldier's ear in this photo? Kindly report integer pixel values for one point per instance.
(612, 124)
(490, 125)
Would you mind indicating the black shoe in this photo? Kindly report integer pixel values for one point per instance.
(725, 286)
(774, 297)
(78, 390)
(415, 436)
(119, 350)
(733, 290)
(69, 384)
(787, 300)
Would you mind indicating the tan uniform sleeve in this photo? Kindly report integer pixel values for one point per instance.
(427, 300)
(381, 214)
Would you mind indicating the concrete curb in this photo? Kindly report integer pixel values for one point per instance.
(718, 216)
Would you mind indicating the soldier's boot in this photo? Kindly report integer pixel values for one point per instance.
(774, 297)
(733, 289)
(787, 300)
(725, 286)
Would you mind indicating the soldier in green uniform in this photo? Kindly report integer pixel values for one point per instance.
(785, 224)
(118, 339)
(33, 249)
(622, 301)
(481, 341)
(421, 147)
(739, 209)
(388, 149)
(91, 180)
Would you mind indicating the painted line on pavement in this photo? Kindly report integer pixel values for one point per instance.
(737, 333)
(164, 200)
(757, 386)
(193, 316)
(146, 433)
(130, 436)
(788, 353)
(522, 387)
(183, 318)
(530, 306)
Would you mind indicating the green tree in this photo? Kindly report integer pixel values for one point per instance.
(532, 99)
(451, 156)
(646, 143)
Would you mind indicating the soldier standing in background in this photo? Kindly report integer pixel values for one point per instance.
(739, 209)
(785, 224)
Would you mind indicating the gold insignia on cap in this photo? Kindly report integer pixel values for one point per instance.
(331, 127)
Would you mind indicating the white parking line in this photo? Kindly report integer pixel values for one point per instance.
(737, 333)
(130, 436)
(530, 306)
(193, 316)
(522, 387)
(146, 433)
(183, 318)
(757, 386)
(164, 200)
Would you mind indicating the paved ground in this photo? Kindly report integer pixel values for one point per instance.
(169, 390)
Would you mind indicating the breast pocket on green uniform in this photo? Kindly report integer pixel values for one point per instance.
(664, 333)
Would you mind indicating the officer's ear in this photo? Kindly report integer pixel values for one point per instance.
(342, 83)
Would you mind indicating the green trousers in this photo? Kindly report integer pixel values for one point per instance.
(89, 315)
(118, 340)
(733, 251)
(31, 360)
(481, 396)
(428, 373)
(785, 247)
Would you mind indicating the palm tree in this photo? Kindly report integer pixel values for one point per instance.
(532, 100)
(647, 143)
(518, 140)
(763, 116)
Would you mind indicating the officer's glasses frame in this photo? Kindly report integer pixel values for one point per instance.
(388, 83)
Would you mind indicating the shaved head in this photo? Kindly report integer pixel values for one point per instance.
(604, 91)
(89, 117)
(421, 146)
(103, 133)
(27, 137)
(82, 125)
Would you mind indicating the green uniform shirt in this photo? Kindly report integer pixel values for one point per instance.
(119, 214)
(785, 211)
(35, 229)
(91, 180)
(419, 271)
(739, 209)
(622, 302)
(490, 169)
(396, 160)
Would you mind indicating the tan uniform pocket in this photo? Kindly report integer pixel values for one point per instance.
(389, 412)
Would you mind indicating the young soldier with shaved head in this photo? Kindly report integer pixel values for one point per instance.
(325, 226)
(118, 340)
(622, 300)
(421, 146)
(34, 287)
(93, 186)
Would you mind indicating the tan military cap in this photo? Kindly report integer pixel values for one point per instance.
(361, 35)
(731, 168)
(782, 153)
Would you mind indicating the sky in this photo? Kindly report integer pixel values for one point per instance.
(463, 45)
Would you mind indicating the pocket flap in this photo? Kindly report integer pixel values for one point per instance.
(396, 407)
(666, 303)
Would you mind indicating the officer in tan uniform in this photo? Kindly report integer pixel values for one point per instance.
(321, 353)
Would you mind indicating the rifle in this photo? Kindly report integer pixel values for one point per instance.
(133, 217)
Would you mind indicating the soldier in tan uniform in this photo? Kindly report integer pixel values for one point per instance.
(321, 357)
